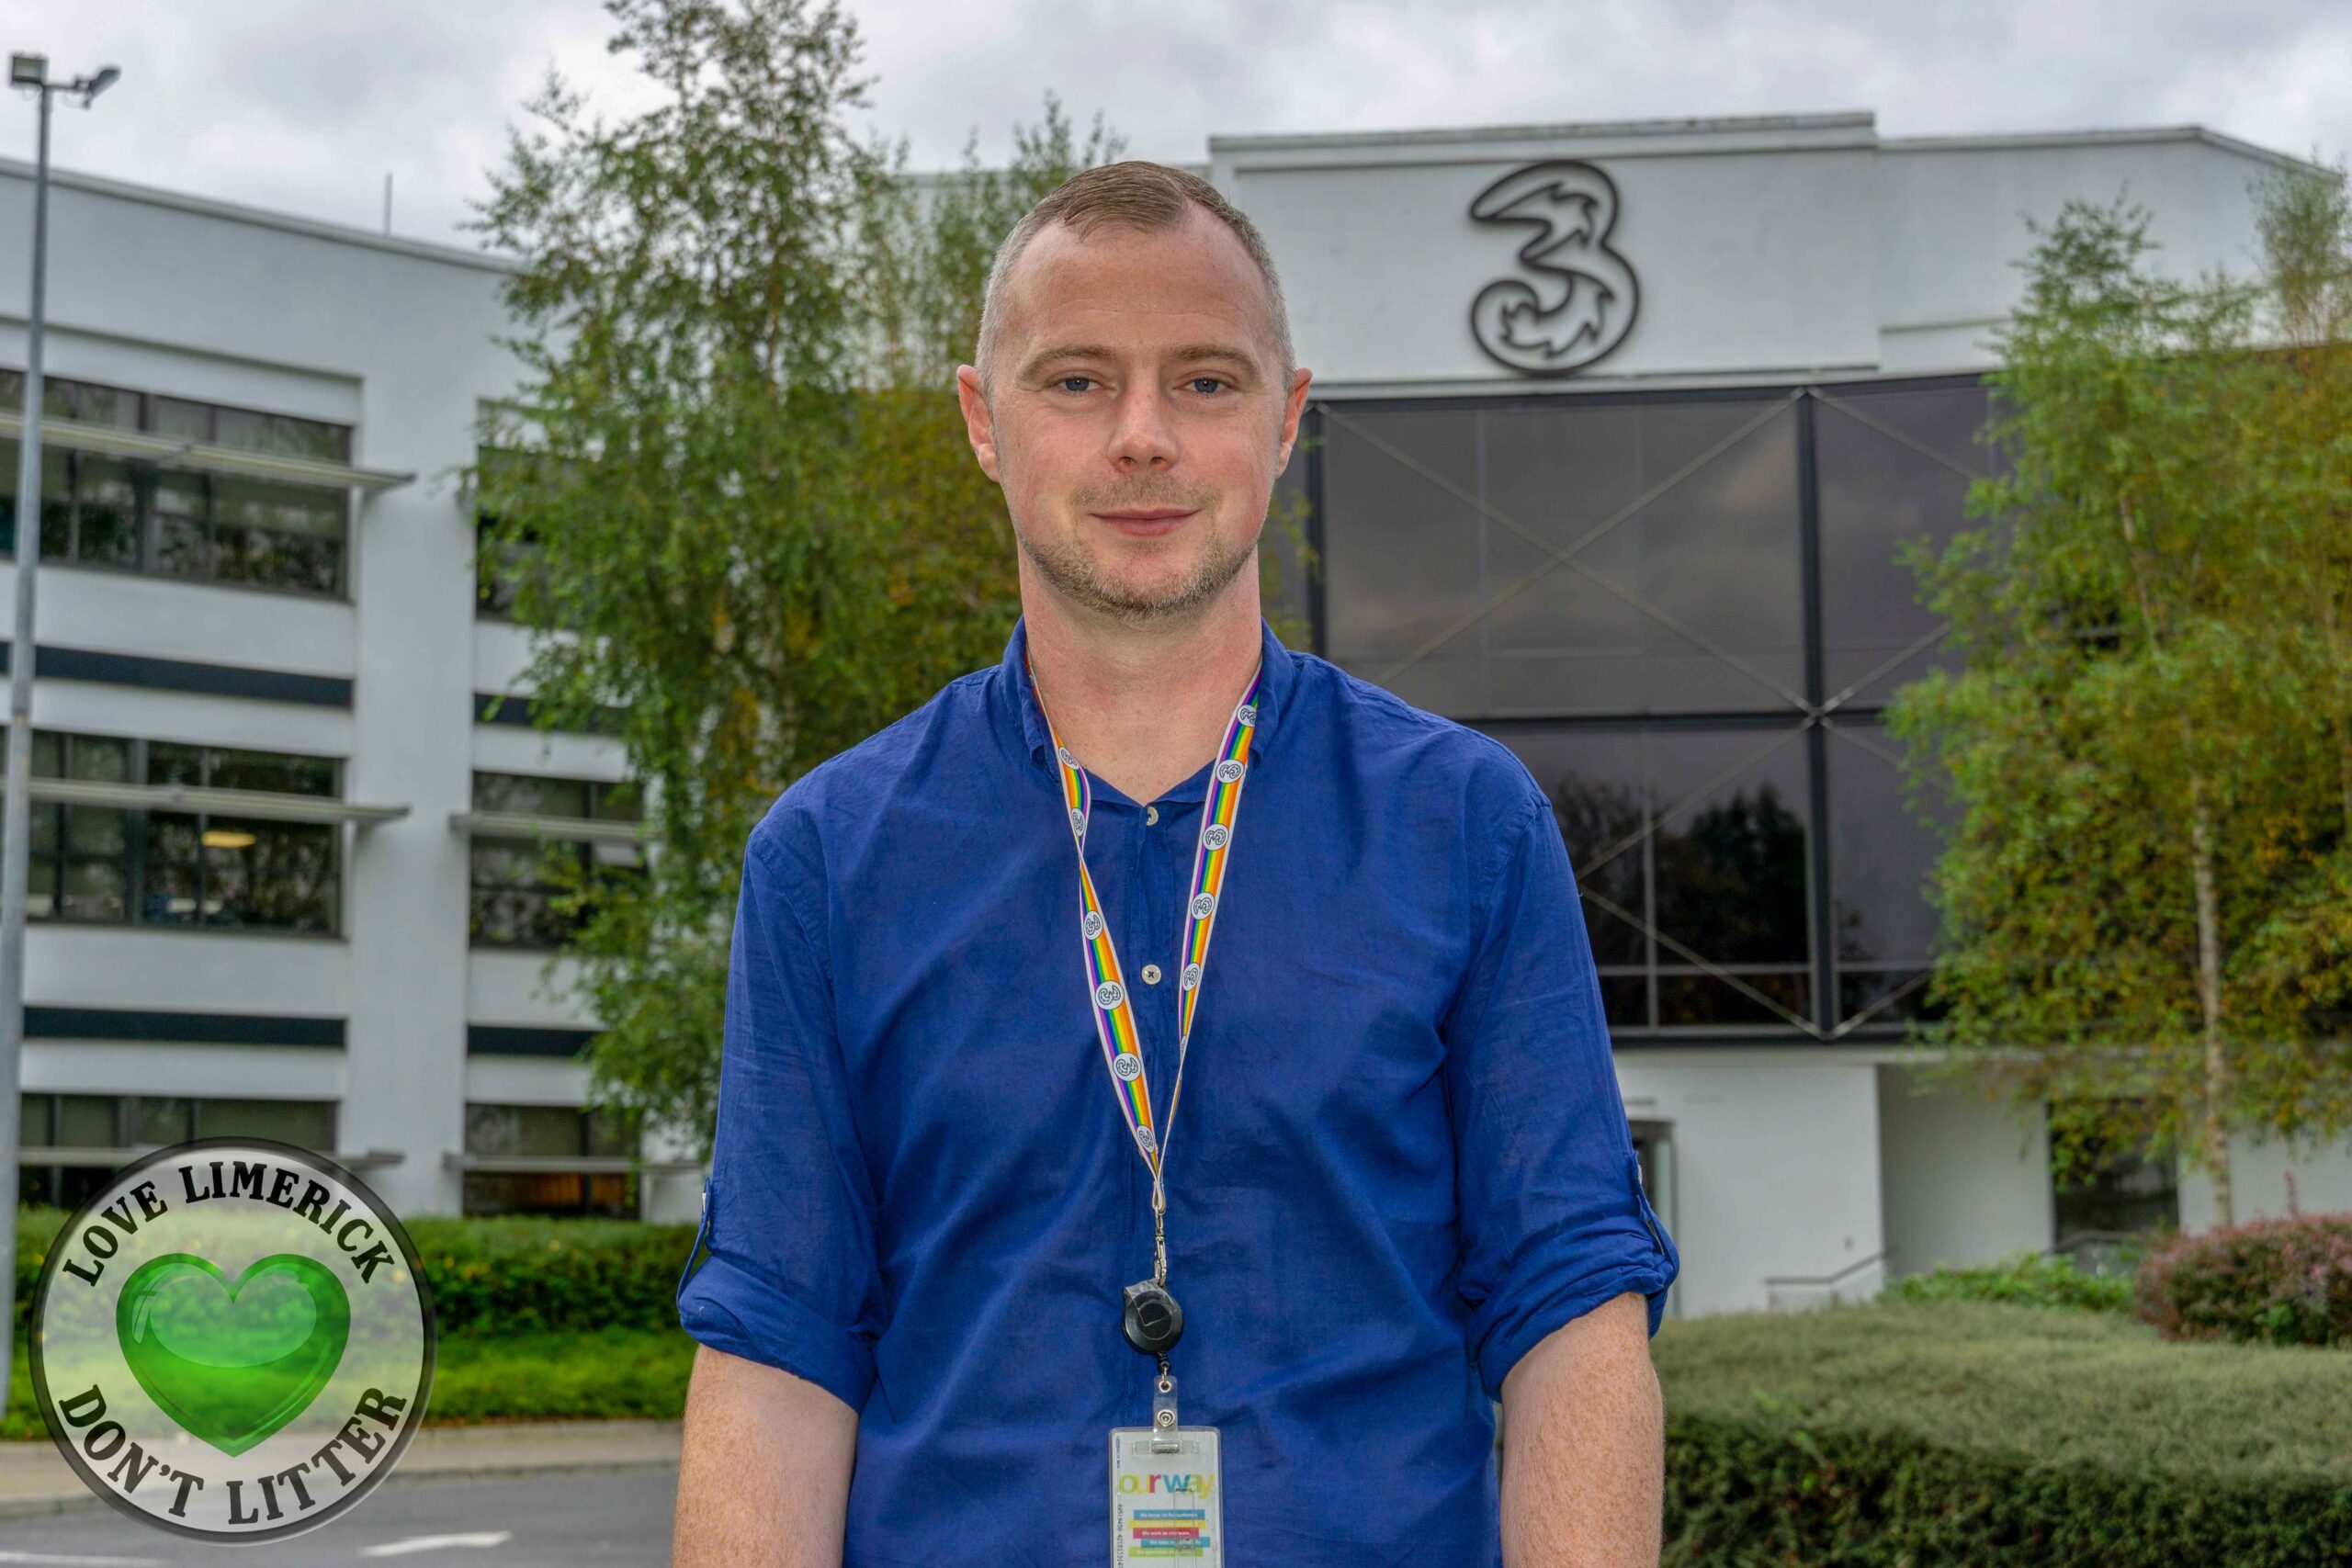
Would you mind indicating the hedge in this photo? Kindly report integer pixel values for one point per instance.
(2282, 1281)
(1963, 1433)
(499, 1277)
(2023, 1278)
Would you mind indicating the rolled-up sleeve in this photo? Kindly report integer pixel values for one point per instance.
(1552, 1215)
(791, 1278)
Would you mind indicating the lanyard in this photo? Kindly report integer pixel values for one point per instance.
(1114, 1018)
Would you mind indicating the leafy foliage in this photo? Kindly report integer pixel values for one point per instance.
(2024, 1278)
(2274, 1281)
(2143, 899)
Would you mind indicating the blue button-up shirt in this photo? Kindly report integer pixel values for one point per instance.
(1402, 1157)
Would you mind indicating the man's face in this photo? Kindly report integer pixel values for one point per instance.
(1137, 415)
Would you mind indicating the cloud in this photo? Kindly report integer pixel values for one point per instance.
(291, 105)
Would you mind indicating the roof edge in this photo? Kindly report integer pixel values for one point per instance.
(1852, 119)
(1992, 139)
(261, 216)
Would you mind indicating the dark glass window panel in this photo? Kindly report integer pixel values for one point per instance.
(511, 906)
(171, 761)
(1284, 542)
(1730, 856)
(56, 502)
(35, 1121)
(305, 1123)
(281, 433)
(89, 403)
(531, 795)
(95, 890)
(96, 830)
(1716, 554)
(40, 890)
(278, 771)
(1597, 781)
(86, 1122)
(174, 883)
(158, 1120)
(552, 1193)
(1904, 1001)
(1416, 545)
(105, 514)
(44, 819)
(188, 421)
(182, 539)
(1400, 552)
(1625, 1000)
(274, 875)
(544, 1130)
(2126, 1193)
(102, 757)
(1691, 1000)
(1879, 855)
(1891, 466)
(47, 747)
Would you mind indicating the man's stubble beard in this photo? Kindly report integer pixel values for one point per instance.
(1072, 572)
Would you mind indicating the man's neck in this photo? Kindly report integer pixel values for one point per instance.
(1143, 707)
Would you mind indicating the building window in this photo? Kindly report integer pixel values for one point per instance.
(1689, 852)
(134, 515)
(552, 1133)
(499, 569)
(108, 866)
(122, 1123)
(2123, 1197)
(519, 897)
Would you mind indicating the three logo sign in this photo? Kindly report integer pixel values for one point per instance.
(1578, 303)
(231, 1340)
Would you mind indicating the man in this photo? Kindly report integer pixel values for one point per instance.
(1401, 1183)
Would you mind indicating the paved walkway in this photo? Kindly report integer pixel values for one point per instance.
(35, 1478)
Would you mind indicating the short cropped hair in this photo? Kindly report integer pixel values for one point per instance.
(1149, 197)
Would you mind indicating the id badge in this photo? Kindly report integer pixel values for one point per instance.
(1167, 1496)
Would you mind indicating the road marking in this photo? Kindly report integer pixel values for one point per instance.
(63, 1559)
(437, 1542)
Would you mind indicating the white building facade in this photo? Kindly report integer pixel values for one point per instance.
(1617, 430)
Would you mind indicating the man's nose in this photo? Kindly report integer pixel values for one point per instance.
(1143, 438)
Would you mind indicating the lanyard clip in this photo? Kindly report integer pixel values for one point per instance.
(1163, 1413)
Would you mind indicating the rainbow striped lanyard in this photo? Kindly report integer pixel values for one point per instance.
(1114, 1016)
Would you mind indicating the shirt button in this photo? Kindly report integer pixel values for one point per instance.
(1151, 974)
(1151, 816)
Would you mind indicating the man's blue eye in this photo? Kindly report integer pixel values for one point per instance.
(1205, 385)
(1077, 383)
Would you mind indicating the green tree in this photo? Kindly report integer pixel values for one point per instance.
(735, 468)
(2145, 755)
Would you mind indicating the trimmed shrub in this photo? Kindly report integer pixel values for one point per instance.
(2277, 1281)
(1956, 1433)
(2023, 1278)
(498, 1277)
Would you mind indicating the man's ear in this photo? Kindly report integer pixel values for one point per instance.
(979, 426)
(1294, 407)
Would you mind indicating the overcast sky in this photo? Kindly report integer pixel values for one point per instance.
(303, 106)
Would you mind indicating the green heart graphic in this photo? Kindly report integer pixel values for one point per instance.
(232, 1363)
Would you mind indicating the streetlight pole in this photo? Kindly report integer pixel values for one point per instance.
(27, 71)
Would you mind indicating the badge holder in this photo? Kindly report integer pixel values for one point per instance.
(1167, 1489)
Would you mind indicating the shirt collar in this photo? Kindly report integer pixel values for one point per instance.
(1020, 693)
